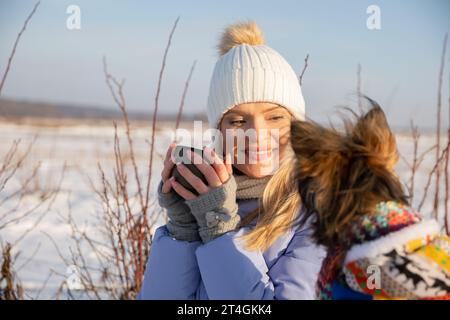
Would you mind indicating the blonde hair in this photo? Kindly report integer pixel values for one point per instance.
(279, 206)
(280, 201)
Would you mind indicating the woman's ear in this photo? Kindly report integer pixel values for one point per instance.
(373, 133)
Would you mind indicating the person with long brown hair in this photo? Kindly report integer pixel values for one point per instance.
(225, 239)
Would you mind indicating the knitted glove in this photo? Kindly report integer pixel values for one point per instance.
(182, 224)
(216, 211)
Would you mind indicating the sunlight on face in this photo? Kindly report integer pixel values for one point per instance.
(271, 125)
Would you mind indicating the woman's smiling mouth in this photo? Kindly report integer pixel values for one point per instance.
(258, 155)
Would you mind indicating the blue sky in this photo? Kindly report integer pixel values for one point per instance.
(400, 62)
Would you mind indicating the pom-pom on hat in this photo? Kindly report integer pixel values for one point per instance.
(250, 71)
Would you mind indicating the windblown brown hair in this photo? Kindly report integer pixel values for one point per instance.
(342, 175)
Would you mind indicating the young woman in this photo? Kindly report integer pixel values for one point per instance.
(235, 238)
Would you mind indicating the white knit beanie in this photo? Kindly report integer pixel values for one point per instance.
(250, 71)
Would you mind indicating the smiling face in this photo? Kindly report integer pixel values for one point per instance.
(258, 152)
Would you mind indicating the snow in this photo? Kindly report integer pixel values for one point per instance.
(81, 147)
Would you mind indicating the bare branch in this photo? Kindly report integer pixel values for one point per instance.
(300, 78)
(155, 111)
(438, 129)
(186, 86)
(13, 52)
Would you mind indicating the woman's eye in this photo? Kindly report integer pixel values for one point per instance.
(276, 117)
(236, 122)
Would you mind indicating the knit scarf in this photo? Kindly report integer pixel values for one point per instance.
(250, 188)
(389, 216)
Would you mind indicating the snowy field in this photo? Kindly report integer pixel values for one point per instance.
(81, 147)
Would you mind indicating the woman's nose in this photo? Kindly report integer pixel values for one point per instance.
(260, 129)
(257, 123)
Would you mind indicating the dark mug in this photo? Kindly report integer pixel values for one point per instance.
(181, 156)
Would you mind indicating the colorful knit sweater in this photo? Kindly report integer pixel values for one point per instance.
(393, 254)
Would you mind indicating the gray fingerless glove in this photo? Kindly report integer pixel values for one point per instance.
(181, 225)
(216, 211)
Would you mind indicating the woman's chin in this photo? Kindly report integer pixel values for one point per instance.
(258, 170)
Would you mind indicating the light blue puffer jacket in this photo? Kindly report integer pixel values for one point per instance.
(223, 269)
